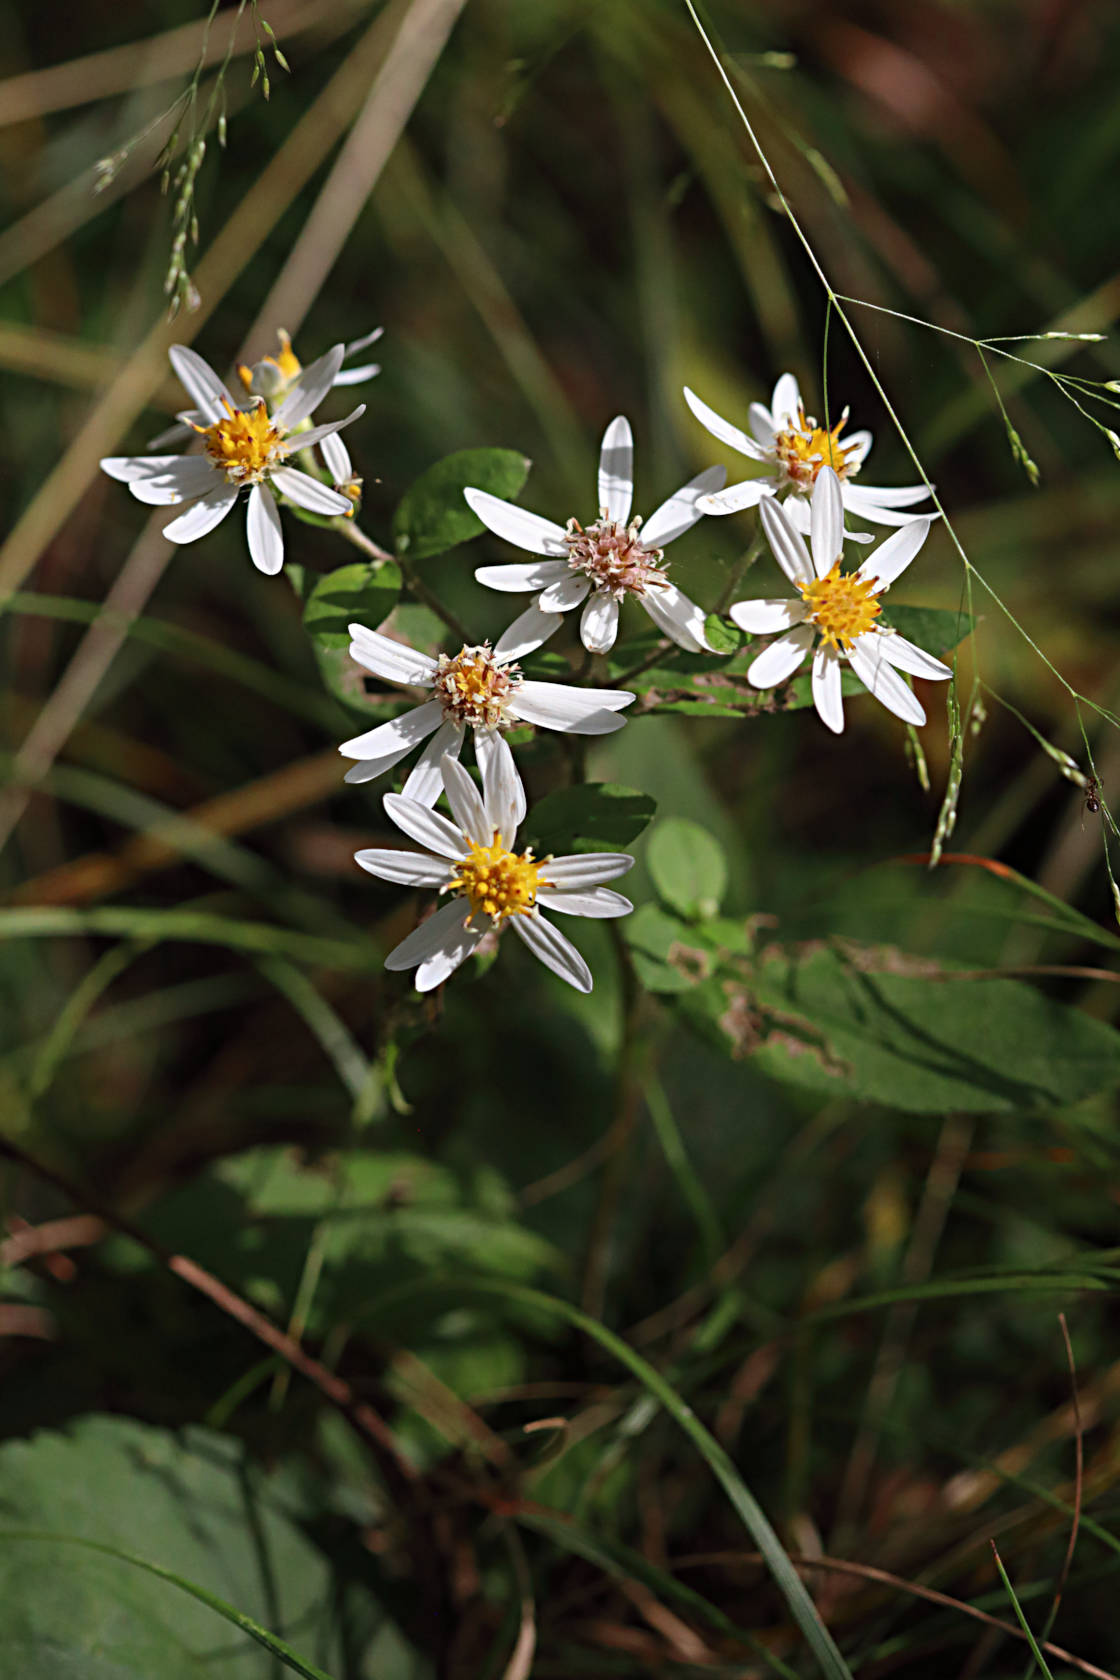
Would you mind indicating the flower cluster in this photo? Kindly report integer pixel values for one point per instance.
(805, 487)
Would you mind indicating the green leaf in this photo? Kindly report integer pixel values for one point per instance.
(362, 590)
(373, 1217)
(597, 817)
(149, 1535)
(933, 629)
(365, 591)
(722, 636)
(874, 1024)
(433, 516)
(688, 867)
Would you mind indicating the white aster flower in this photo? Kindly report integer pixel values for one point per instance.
(838, 607)
(273, 376)
(795, 448)
(604, 562)
(242, 448)
(479, 688)
(472, 860)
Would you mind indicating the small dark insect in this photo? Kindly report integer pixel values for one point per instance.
(1092, 795)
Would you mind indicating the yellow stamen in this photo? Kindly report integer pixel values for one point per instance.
(841, 606)
(473, 688)
(497, 882)
(806, 448)
(287, 364)
(244, 444)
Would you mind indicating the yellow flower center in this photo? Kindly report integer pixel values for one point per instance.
(473, 689)
(244, 444)
(807, 447)
(841, 606)
(496, 882)
(287, 364)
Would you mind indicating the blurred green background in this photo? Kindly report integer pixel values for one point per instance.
(573, 225)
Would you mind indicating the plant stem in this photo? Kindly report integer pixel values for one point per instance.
(415, 585)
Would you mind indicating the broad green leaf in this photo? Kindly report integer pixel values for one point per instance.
(365, 592)
(597, 817)
(723, 637)
(362, 591)
(374, 1217)
(688, 866)
(433, 516)
(874, 1024)
(191, 1505)
(933, 629)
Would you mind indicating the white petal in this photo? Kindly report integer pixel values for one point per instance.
(180, 432)
(316, 434)
(878, 496)
(781, 659)
(906, 657)
(797, 511)
(588, 869)
(573, 711)
(200, 382)
(763, 618)
(437, 933)
(456, 949)
(554, 950)
(749, 492)
(827, 697)
(407, 869)
(526, 632)
(125, 468)
(191, 477)
(563, 596)
(591, 901)
(394, 661)
(826, 530)
(598, 625)
(202, 516)
(358, 375)
(428, 827)
(337, 457)
(357, 344)
(682, 510)
(466, 803)
(722, 429)
(515, 579)
(883, 681)
(489, 745)
(789, 549)
(387, 744)
(785, 402)
(266, 539)
(762, 425)
(310, 493)
(892, 557)
(616, 470)
(312, 386)
(503, 791)
(677, 617)
(425, 779)
(857, 446)
(517, 525)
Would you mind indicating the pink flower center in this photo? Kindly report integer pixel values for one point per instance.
(613, 557)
